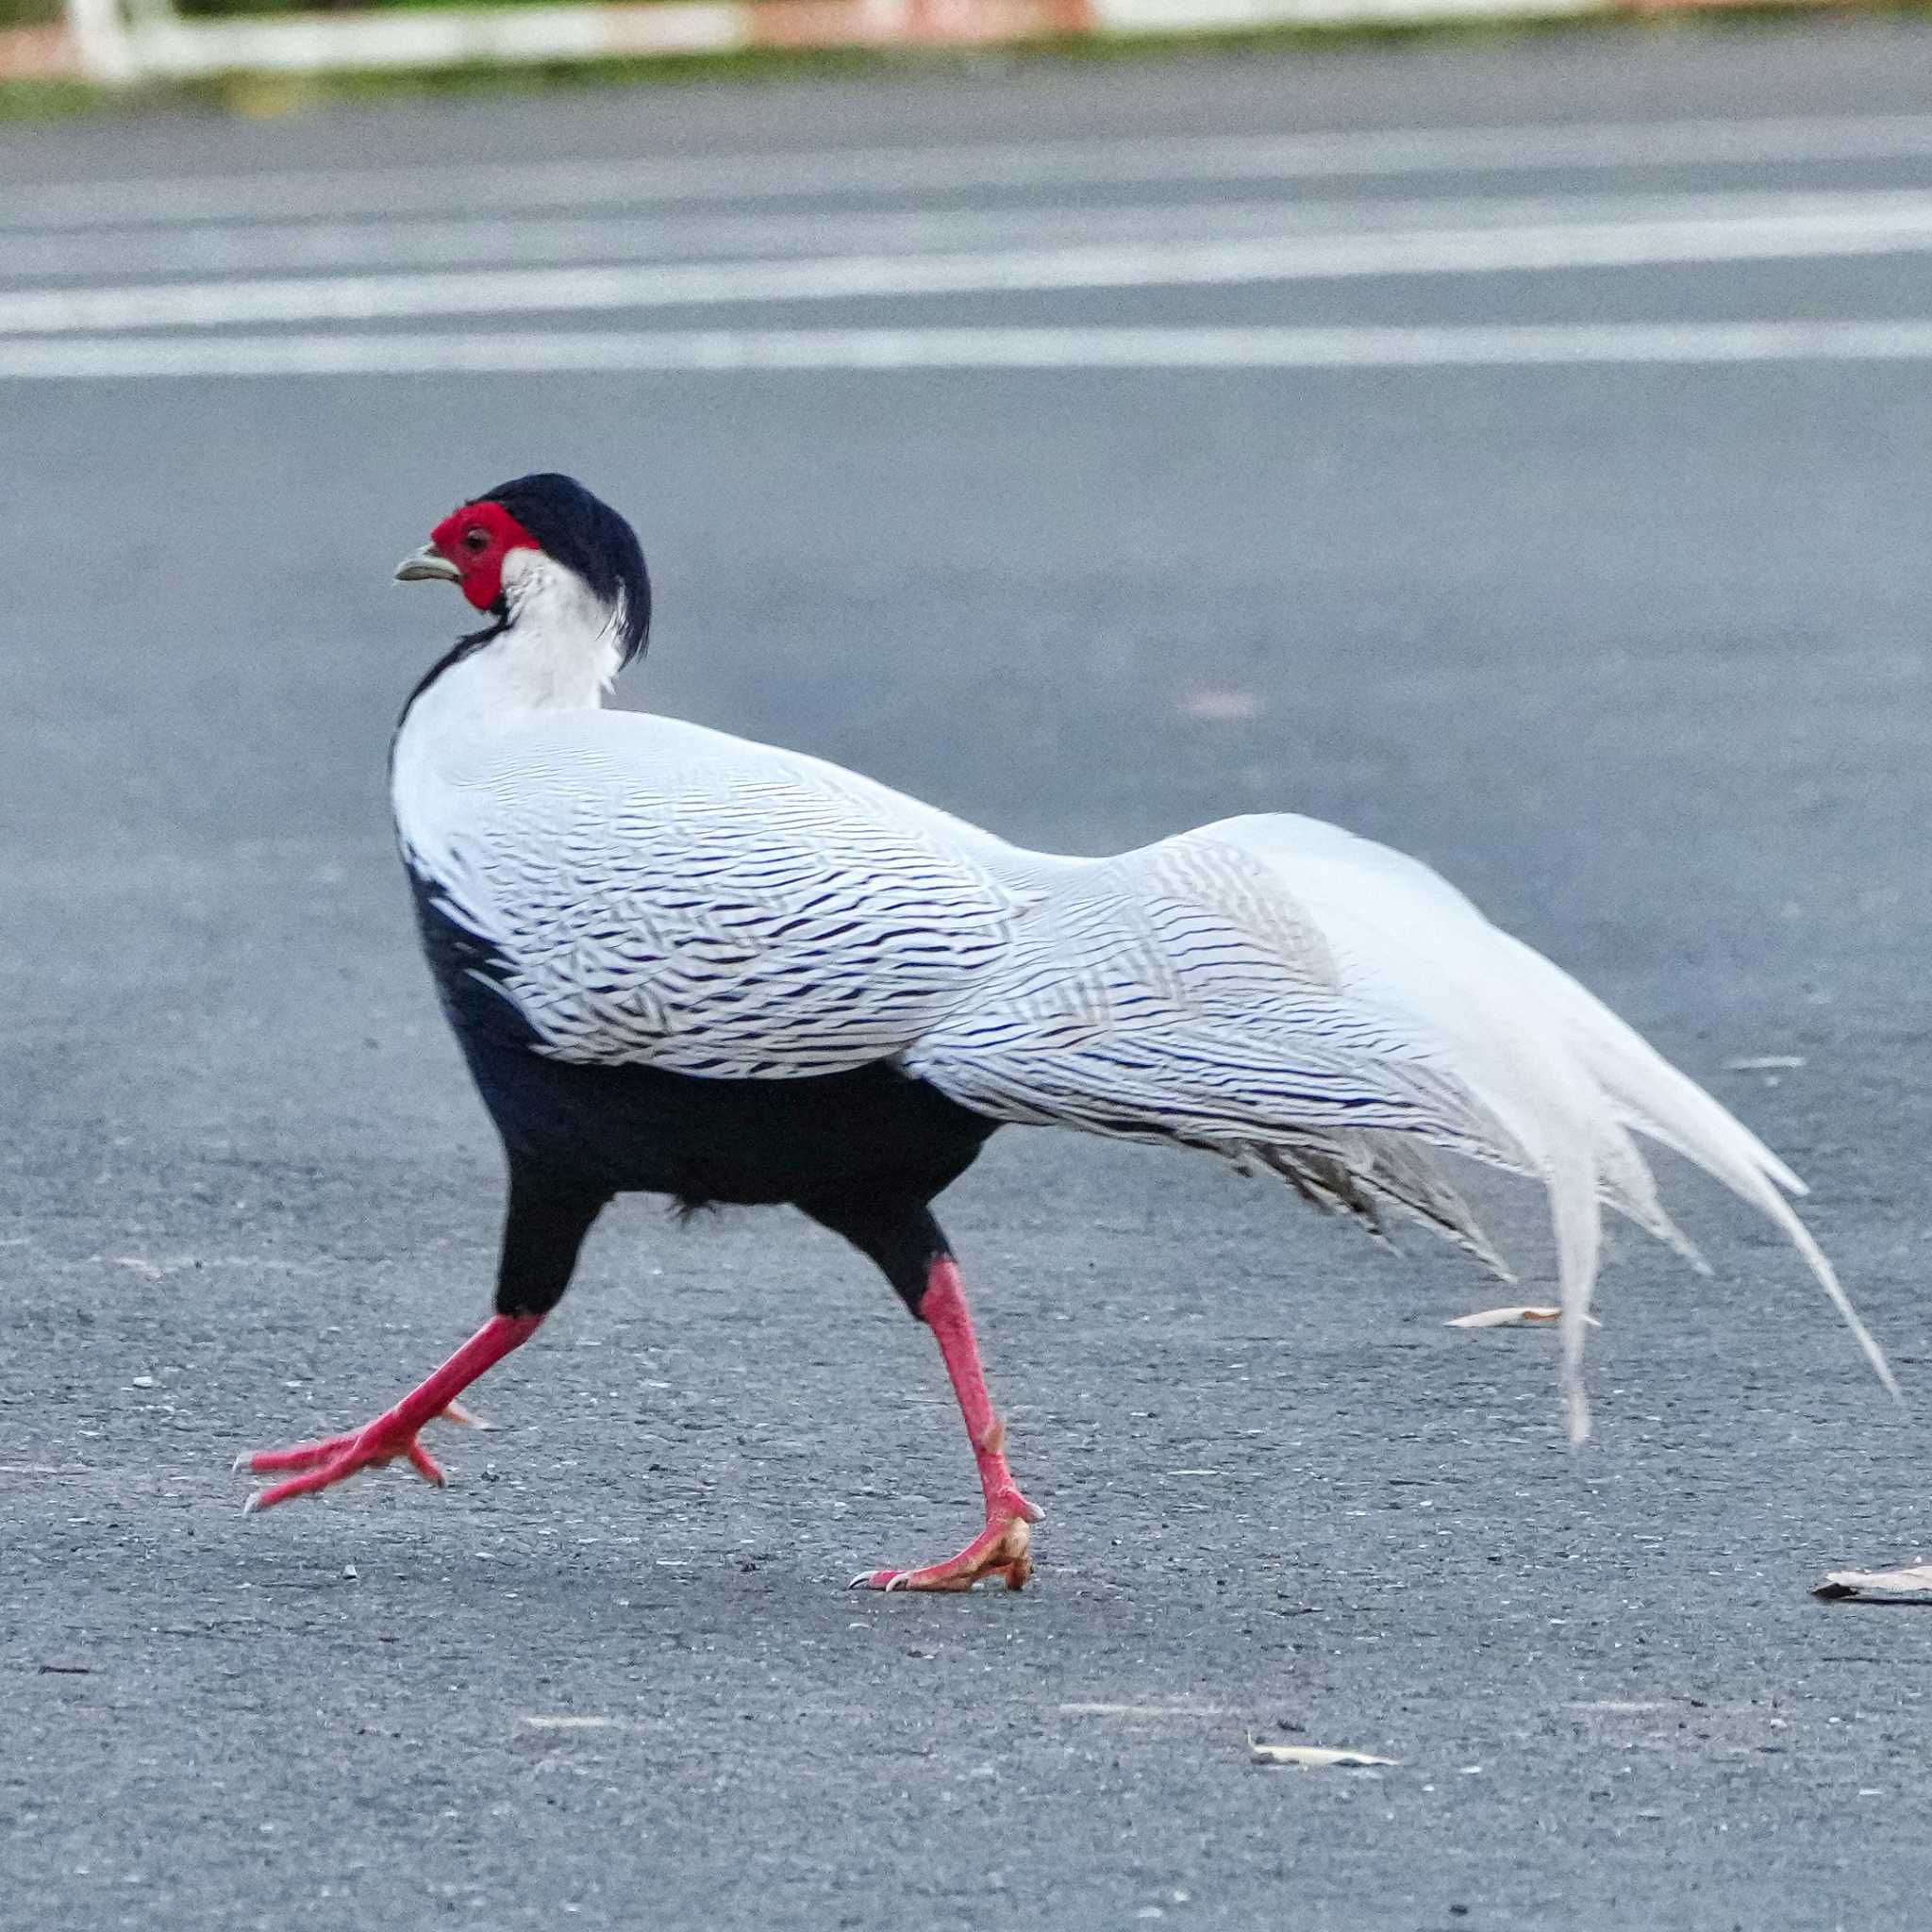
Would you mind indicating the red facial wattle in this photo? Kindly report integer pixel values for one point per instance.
(478, 538)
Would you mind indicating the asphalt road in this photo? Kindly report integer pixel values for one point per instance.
(1634, 650)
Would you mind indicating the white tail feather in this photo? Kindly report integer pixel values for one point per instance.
(1564, 1081)
(1578, 1223)
(1668, 1107)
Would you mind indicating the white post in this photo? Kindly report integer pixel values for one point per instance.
(100, 42)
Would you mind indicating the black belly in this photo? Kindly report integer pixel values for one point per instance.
(643, 1129)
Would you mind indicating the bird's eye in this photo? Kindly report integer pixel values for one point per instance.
(476, 538)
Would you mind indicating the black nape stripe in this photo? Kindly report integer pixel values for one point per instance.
(463, 647)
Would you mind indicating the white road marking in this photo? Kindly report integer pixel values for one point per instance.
(562, 291)
(873, 172)
(731, 352)
(1143, 1710)
(231, 248)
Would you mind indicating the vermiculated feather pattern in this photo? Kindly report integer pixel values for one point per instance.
(731, 930)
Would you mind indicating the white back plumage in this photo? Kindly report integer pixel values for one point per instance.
(1269, 989)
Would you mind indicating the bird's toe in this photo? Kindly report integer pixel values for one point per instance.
(1004, 1548)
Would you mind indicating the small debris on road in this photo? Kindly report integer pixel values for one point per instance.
(1911, 1585)
(1311, 1756)
(1513, 1318)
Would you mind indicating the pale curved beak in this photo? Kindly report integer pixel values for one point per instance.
(427, 562)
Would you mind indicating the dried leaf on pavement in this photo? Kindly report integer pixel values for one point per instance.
(1310, 1756)
(1512, 1318)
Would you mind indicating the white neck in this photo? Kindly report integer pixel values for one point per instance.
(558, 652)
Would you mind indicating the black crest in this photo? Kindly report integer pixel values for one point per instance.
(584, 533)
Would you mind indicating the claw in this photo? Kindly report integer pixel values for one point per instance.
(1004, 1548)
(393, 1436)
(322, 1465)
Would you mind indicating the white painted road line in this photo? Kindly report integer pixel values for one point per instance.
(873, 173)
(732, 352)
(316, 246)
(520, 291)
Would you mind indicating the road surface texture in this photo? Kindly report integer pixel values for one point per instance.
(1621, 623)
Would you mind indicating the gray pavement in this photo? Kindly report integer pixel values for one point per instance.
(1634, 654)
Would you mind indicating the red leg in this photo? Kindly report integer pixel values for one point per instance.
(1005, 1546)
(393, 1433)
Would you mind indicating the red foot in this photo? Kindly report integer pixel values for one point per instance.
(1003, 1548)
(392, 1435)
(337, 1457)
